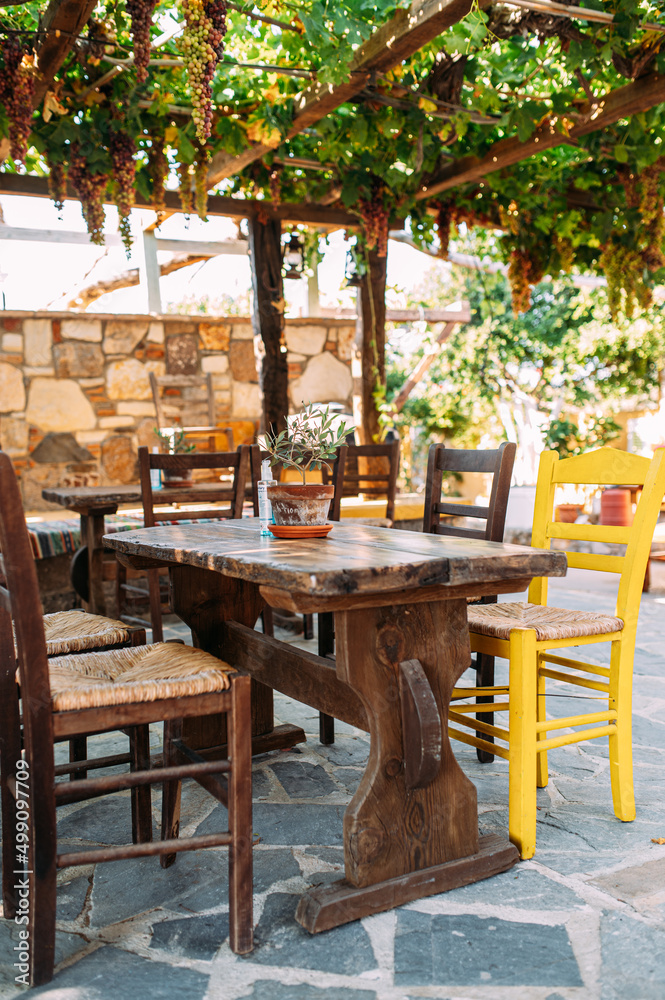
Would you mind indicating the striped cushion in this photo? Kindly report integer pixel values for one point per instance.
(498, 620)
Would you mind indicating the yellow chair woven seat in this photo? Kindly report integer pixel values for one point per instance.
(132, 675)
(72, 631)
(498, 620)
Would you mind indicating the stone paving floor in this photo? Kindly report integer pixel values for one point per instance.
(583, 920)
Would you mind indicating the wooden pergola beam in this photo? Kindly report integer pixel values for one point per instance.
(616, 104)
(233, 208)
(62, 22)
(405, 33)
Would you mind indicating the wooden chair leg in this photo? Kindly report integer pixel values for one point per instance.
(78, 750)
(171, 792)
(240, 819)
(326, 648)
(120, 583)
(308, 626)
(522, 742)
(485, 678)
(155, 606)
(139, 742)
(268, 621)
(10, 754)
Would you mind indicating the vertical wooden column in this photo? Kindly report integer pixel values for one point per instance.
(373, 309)
(265, 250)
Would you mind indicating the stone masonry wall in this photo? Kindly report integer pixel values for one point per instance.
(75, 399)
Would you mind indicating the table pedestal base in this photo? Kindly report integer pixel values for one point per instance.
(340, 903)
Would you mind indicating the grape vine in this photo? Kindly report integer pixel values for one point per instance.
(202, 46)
(140, 12)
(90, 190)
(17, 90)
(122, 150)
(524, 270)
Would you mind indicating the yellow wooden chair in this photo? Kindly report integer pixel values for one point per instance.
(530, 635)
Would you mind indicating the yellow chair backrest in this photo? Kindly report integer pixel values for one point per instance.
(604, 467)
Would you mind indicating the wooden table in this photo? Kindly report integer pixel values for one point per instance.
(399, 600)
(92, 504)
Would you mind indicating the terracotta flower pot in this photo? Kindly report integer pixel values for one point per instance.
(300, 503)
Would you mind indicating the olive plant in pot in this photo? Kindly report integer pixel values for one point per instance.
(173, 443)
(309, 442)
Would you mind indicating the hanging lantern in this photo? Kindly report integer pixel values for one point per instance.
(352, 277)
(293, 256)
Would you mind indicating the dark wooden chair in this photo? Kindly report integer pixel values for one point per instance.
(70, 695)
(442, 517)
(369, 470)
(230, 495)
(203, 435)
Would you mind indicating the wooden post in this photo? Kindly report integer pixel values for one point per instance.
(265, 249)
(373, 308)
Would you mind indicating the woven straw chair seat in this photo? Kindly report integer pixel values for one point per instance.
(498, 620)
(72, 631)
(134, 674)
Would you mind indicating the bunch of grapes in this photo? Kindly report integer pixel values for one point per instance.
(201, 185)
(185, 188)
(90, 190)
(623, 267)
(158, 171)
(17, 91)
(202, 46)
(375, 223)
(140, 12)
(122, 150)
(57, 183)
(519, 269)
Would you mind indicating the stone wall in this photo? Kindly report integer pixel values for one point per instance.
(75, 399)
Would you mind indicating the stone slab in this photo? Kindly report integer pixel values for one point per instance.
(633, 958)
(268, 989)
(635, 882)
(297, 824)
(81, 329)
(12, 390)
(193, 937)
(467, 950)
(346, 950)
(302, 780)
(78, 360)
(110, 972)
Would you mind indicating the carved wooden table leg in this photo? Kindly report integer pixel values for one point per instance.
(204, 599)
(412, 827)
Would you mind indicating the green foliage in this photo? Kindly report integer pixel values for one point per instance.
(309, 441)
(173, 442)
(564, 435)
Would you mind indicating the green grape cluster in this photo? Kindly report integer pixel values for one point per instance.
(202, 46)
(57, 183)
(201, 185)
(158, 171)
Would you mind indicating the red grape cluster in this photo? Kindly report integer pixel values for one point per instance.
(122, 150)
(17, 90)
(375, 223)
(90, 190)
(202, 46)
(140, 12)
(57, 183)
(158, 170)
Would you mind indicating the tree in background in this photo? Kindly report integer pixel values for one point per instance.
(550, 377)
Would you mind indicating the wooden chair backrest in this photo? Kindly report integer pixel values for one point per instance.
(498, 462)
(258, 456)
(370, 469)
(234, 494)
(20, 601)
(158, 382)
(603, 467)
